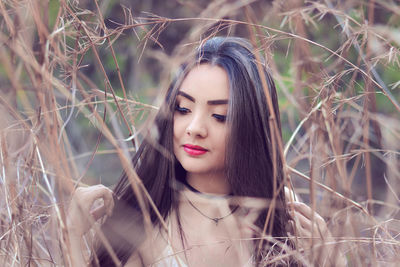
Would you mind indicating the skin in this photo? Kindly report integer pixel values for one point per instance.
(82, 215)
(313, 233)
(197, 122)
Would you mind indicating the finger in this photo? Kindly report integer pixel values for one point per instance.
(289, 194)
(313, 229)
(99, 212)
(291, 227)
(109, 202)
(304, 225)
(301, 232)
(99, 191)
(306, 211)
(302, 208)
(302, 220)
(84, 198)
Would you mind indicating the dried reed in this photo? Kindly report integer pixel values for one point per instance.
(64, 83)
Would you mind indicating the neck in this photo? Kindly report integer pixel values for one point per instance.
(214, 183)
(195, 207)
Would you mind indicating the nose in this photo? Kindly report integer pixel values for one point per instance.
(197, 127)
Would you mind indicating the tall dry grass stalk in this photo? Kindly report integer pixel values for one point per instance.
(62, 86)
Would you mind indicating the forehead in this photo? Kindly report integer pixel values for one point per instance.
(206, 82)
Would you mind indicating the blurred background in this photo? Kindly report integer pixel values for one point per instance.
(80, 79)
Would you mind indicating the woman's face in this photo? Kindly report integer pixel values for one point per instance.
(200, 130)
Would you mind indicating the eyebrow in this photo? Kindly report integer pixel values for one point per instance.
(191, 98)
(218, 102)
(209, 102)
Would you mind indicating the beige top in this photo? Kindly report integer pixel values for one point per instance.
(228, 243)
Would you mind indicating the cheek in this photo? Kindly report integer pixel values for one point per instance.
(178, 130)
(222, 136)
(175, 139)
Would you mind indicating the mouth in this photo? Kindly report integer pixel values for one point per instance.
(194, 150)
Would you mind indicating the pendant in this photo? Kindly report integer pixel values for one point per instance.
(216, 220)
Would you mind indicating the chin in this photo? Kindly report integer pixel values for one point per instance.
(198, 168)
(195, 168)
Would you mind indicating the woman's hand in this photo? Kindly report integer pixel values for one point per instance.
(313, 233)
(82, 213)
(309, 225)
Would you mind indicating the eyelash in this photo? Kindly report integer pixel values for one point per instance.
(220, 118)
(184, 111)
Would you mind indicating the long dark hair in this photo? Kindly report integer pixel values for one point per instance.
(249, 162)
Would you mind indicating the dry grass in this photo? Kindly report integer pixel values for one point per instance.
(60, 97)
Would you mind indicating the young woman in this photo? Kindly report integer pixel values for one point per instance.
(212, 169)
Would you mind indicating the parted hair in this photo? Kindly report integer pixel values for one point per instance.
(253, 164)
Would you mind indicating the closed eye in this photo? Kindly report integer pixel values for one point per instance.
(220, 118)
(182, 110)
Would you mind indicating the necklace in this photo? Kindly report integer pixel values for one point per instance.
(217, 219)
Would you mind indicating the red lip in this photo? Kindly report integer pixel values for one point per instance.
(194, 150)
